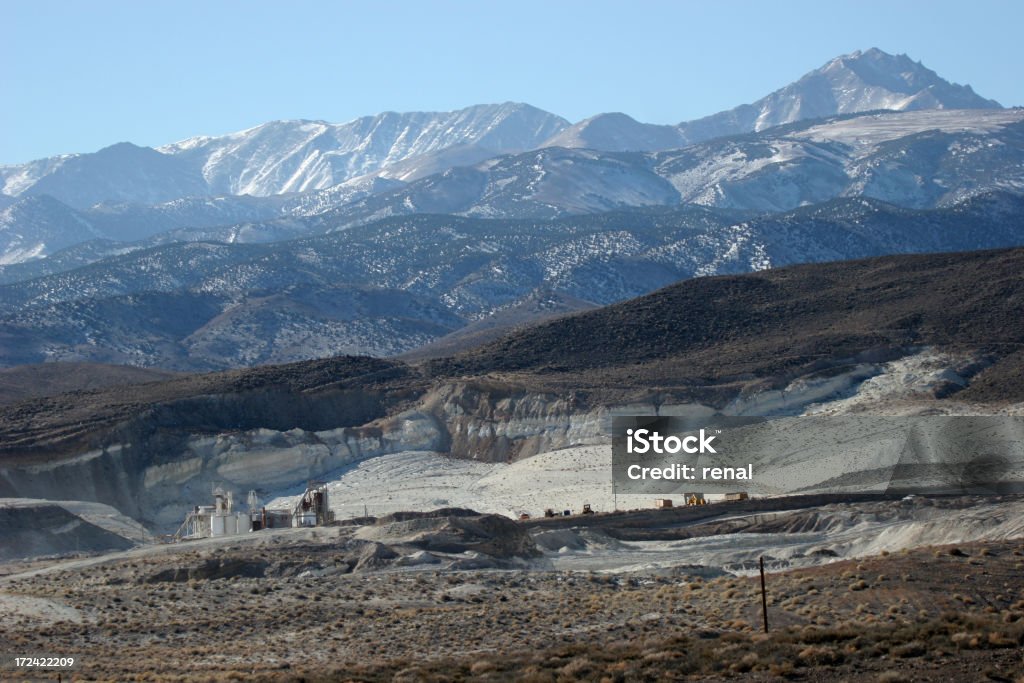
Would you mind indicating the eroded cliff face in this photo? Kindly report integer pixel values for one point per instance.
(494, 424)
(158, 479)
(163, 460)
(154, 469)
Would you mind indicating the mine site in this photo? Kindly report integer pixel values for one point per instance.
(417, 565)
(699, 359)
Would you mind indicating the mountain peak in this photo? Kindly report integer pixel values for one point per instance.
(894, 81)
(126, 151)
(859, 81)
(874, 54)
(617, 132)
(856, 82)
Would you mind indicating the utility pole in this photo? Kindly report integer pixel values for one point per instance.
(764, 598)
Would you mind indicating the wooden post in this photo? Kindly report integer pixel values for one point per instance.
(764, 598)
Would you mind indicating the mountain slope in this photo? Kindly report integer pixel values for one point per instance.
(34, 381)
(539, 305)
(706, 339)
(295, 156)
(239, 304)
(121, 172)
(775, 325)
(916, 159)
(193, 330)
(618, 132)
(35, 226)
(272, 300)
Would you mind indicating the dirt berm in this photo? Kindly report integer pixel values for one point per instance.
(453, 530)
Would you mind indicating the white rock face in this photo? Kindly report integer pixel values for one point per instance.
(559, 448)
(898, 386)
(267, 460)
(851, 532)
(796, 396)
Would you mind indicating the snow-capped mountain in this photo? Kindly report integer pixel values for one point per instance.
(297, 156)
(121, 172)
(915, 159)
(853, 83)
(857, 82)
(513, 160)
(281, 156)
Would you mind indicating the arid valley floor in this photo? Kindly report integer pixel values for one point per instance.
(454, 595)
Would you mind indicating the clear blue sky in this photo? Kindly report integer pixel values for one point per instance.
(78, 76)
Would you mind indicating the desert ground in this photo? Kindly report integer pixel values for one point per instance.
(456, 595)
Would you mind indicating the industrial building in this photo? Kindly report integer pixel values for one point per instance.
(221, 519)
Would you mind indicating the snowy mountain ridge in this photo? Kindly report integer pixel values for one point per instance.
(282, 157)
(915, 159)
(805, 143)
(849, 84)
(296, 156)
(278, 157)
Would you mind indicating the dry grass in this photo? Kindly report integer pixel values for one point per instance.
(532, 625)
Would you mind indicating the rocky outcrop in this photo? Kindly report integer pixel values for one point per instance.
(497, 425)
